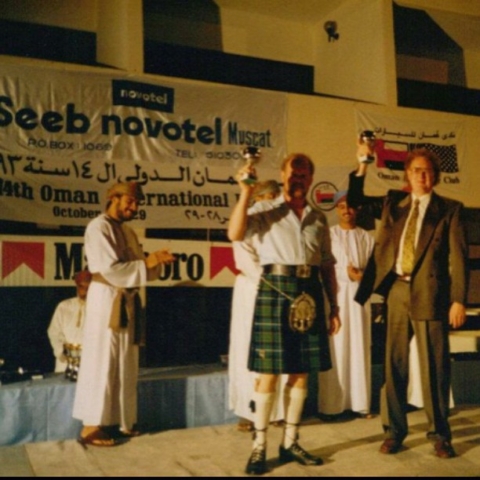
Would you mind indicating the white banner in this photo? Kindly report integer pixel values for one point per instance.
(397, 136)
(46, 261)
(72, 192)
(65, 137)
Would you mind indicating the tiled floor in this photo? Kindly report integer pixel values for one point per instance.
(349, 448)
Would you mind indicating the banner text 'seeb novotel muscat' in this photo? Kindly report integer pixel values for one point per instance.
(66, 136)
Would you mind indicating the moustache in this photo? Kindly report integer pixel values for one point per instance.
(296, 186)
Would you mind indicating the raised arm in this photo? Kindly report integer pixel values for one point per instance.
(238, 219)
(371, 205)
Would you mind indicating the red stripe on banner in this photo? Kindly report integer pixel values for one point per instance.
(220, 258)
(324, 197)
(389, 157)
(15, 254)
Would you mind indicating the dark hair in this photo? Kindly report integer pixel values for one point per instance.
(299, 159)
(430, 156)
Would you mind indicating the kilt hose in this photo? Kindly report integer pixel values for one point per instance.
(274, 346)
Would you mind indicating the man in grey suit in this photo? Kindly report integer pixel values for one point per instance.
(420, 268)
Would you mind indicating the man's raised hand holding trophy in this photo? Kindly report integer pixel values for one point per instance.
(365, 150)
(246, 178)
(247, 174)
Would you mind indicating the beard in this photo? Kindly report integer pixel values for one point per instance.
(125, 215)
(297, 190)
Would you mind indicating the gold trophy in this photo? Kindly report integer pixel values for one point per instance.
(251, 155)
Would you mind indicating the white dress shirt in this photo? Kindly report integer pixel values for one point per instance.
(282, 238)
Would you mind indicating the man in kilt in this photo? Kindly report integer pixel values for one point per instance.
(290, 331)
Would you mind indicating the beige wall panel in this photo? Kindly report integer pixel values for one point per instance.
(120, 34)
(323, 128)
(359, 65)
(472, 68)
(76, 14)
(267, 37)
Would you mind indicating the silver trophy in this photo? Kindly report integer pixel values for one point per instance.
(73, 352)
(251, 155)
(368, 137)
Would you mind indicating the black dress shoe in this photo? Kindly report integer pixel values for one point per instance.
(335, 417)
(444, 449)
(297, 454)
(390, 446)
(257, 463)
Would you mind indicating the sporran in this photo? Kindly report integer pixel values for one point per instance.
(303, 310)
(302, 313)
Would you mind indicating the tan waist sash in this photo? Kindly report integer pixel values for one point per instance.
(129, 307)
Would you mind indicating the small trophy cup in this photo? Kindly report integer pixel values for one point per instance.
(73, 353)
(251, 155)
(368, 137)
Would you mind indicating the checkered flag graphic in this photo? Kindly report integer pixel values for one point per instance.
(446, 154)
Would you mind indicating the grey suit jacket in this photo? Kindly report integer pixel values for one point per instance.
(440, 272)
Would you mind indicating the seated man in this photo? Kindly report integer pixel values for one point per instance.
(67, 321)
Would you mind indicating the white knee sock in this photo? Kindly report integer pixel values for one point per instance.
(261, 417)
(293, 400)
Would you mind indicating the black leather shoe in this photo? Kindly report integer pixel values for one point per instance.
(324, 417)
(297, 454)
(444, 449)
(257, 463)
(390, 446)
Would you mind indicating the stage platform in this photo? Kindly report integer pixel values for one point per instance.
(169, 398)
(349, 449)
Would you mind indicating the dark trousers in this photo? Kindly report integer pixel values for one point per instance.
(434, 358)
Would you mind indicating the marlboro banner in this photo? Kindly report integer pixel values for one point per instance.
(66, 136)
(53, 261)
(398, 136)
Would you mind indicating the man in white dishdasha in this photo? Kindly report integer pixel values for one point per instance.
(106, 394)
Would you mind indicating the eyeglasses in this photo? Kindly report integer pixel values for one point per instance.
(420, 171)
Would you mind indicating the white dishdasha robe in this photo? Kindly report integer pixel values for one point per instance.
(241, 381)
(106, 392)
(414, 390)
(347, 386)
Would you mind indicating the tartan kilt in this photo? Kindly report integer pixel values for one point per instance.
(274, 346)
